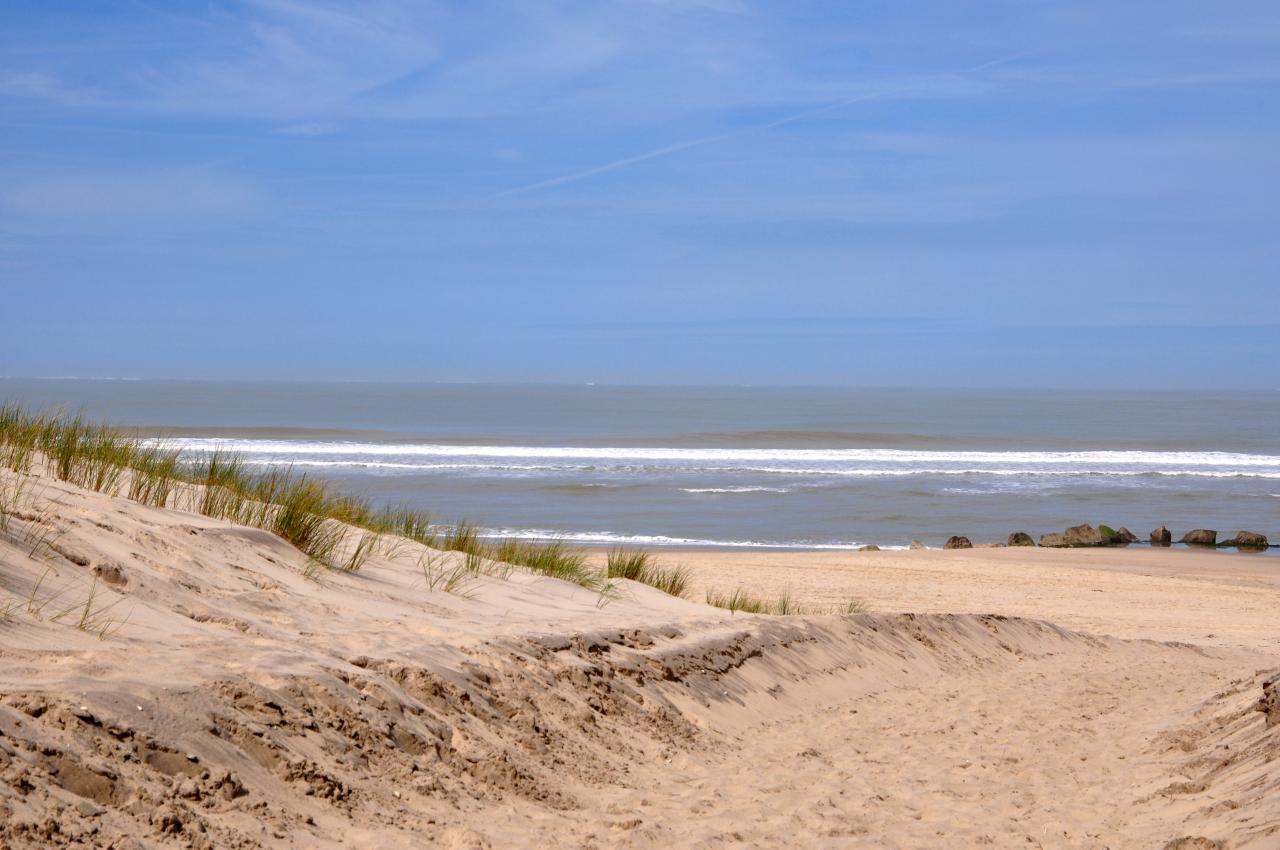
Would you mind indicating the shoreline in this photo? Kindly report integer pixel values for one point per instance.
(663, 548)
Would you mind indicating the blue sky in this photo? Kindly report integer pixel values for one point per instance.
(885, 193)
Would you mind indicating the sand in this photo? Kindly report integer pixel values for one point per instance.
(1215, 598)
(990, 698)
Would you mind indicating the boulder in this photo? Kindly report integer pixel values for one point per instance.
(1201, 537)
(1021, 538)
(1054, 540)
(1110, 536)
(916, 544)
(1161, 537)
(1126, 536)
(1084, 535)
(869, 548)
(957, 542)
(1247, 540)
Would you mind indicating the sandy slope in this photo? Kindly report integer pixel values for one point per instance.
(244, 705)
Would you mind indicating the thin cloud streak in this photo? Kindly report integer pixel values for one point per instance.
(707, 140)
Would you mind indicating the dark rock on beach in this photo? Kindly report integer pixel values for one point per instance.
(1021, 538)
(869, 548)
(958, 542)
(1161, 537)
(1247, 540)
(1116, 537)
(916, 544)
(1084, 535)
(1201, 537)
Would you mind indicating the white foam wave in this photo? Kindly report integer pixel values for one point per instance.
(722, 490)
(615, 538)
(862, 462)
(308, 447)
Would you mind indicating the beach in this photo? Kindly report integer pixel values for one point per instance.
(171, 679)
(1216, 598)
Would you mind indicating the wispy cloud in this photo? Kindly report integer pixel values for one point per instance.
(914, 88)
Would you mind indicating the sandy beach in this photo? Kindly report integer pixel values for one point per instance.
(1178, 594)
(173, 680)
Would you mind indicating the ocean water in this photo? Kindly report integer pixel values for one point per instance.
(736, 466)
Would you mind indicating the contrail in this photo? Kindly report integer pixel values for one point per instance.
(706, 140)
(614, 166)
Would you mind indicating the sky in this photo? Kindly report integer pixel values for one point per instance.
(1011, 193)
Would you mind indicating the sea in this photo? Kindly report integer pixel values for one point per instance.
(765, 467)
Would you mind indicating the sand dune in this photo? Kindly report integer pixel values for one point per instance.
(213, 695)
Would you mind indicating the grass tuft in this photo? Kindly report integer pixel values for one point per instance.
(737, 601)
(785, 605)
(554, 559)
(640, 565)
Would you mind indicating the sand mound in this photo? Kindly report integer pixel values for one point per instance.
(175, 681)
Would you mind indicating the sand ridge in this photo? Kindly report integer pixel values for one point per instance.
(243, 704)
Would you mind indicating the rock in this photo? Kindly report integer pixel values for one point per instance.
(1161, 537)
(916, 544)
(869, 548)
(1247, 540)
(1201, 537)
(1021, 538)
(1112, 537)
(1076, 535)
(89, 810)
(1084, 535)
(957, 542)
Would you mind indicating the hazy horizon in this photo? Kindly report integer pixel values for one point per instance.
(712, 192)
(1083, 389)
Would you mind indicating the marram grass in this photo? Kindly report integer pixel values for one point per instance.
(640, 565)
(303, 511)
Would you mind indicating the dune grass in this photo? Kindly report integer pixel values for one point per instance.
(552, 558)
(305, 512)
(784, 605)
(19, 437)
(640, 565)
(463, 537)
(153, 476)
(737, 601)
